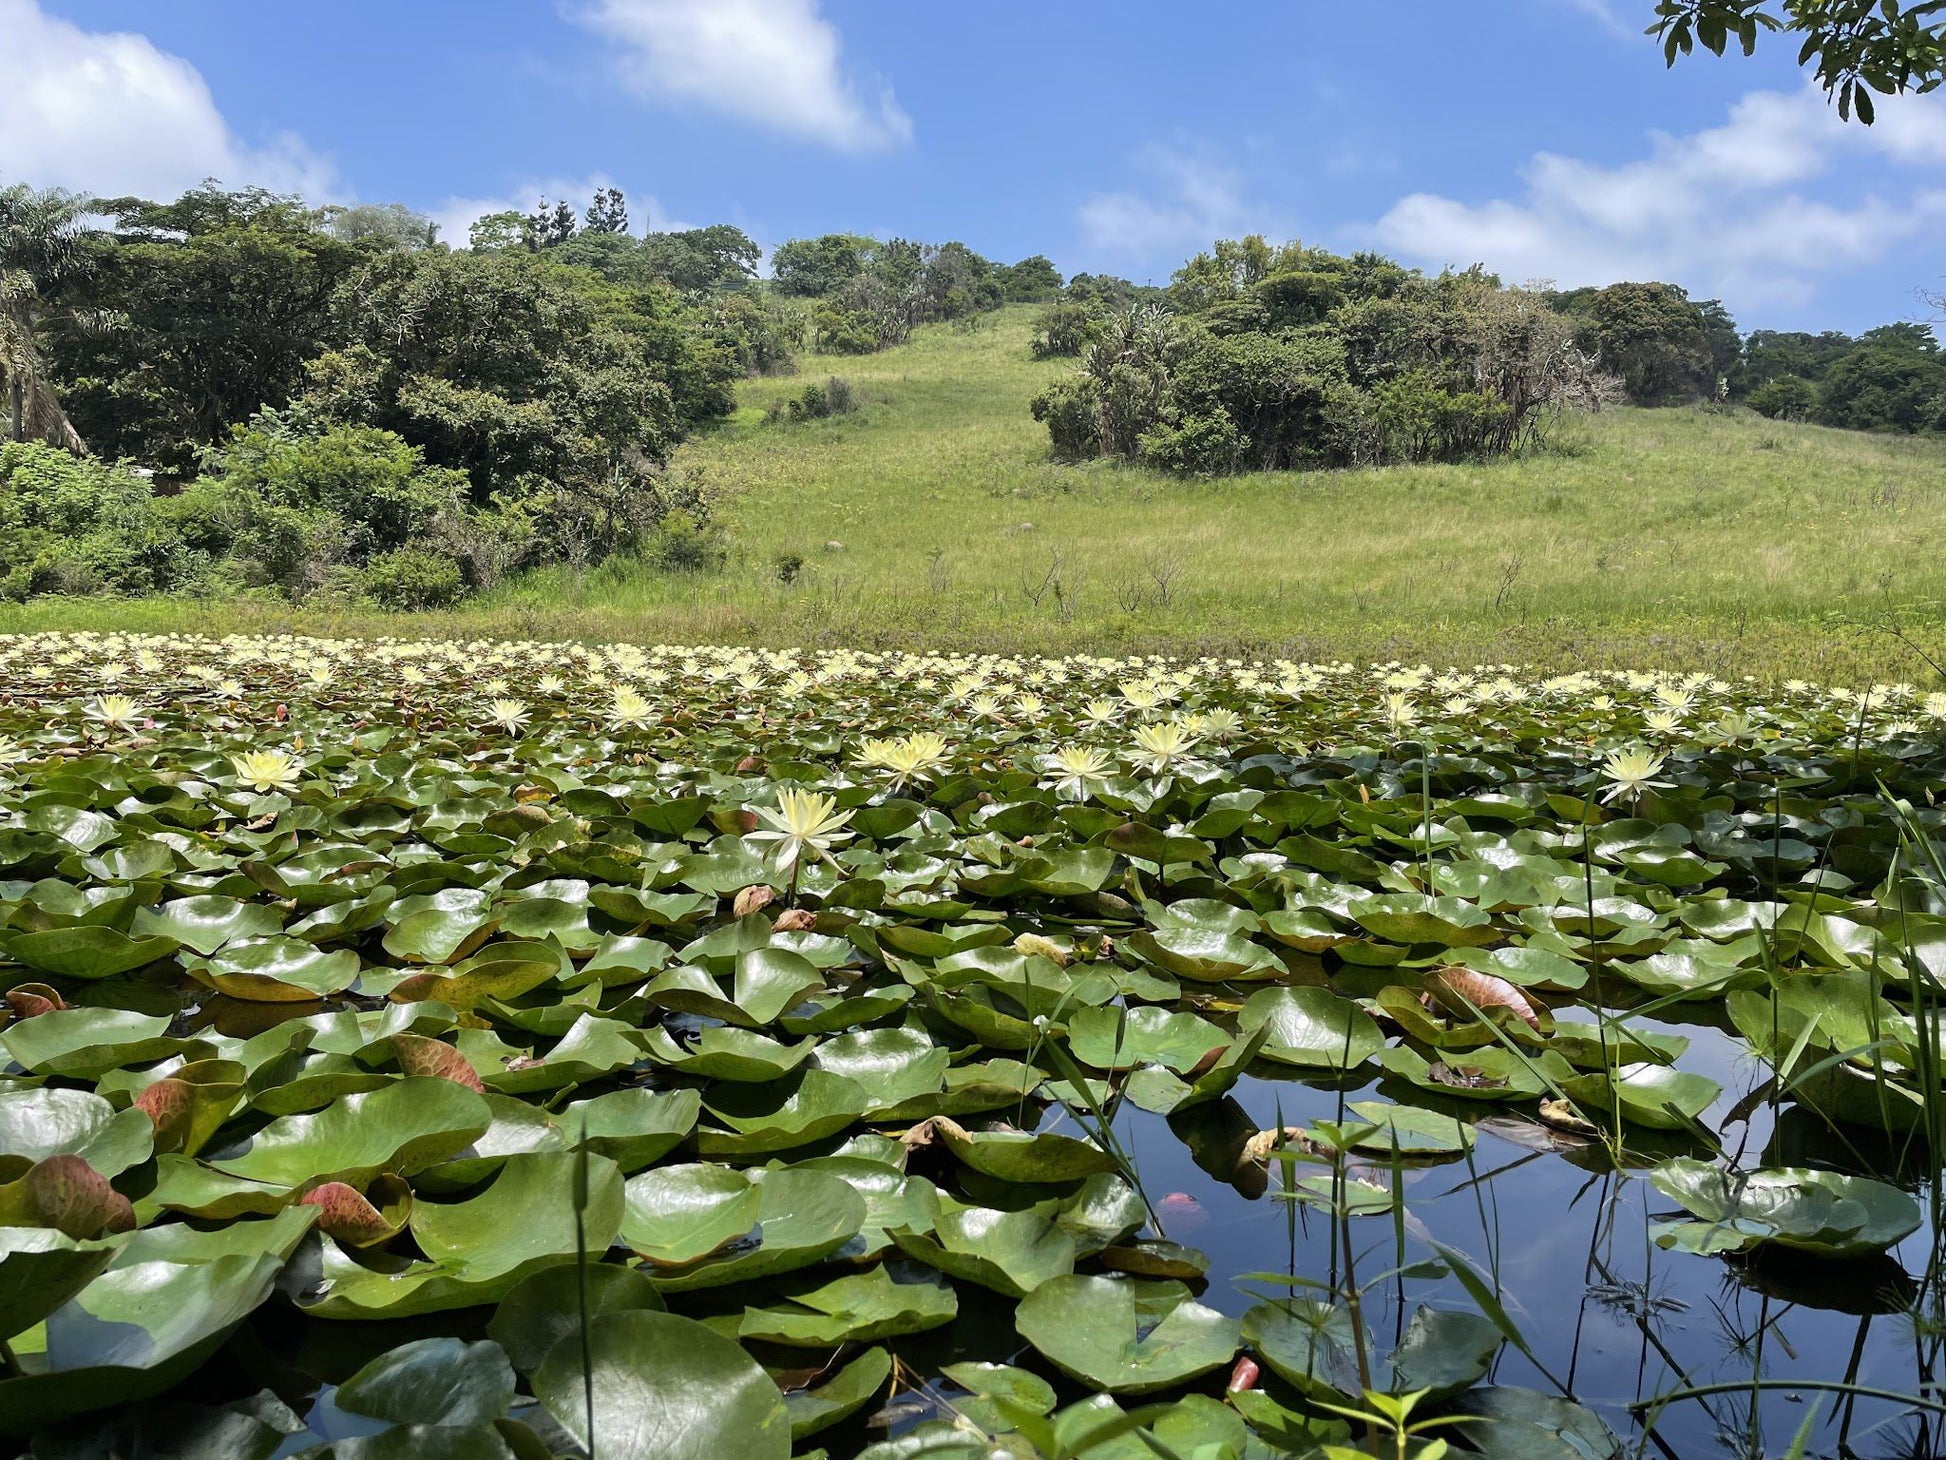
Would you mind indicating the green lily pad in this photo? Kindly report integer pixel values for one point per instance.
(1814, 1211)
(665, 1388)
(87, 952)
(479, 1250)
(802, 1218)
(432, 1381)
(1311, 1028)
(1125, 1335)
(545, 1307)
(404, 1128)
(859, 1308)
(1653, 1095)
(753, 1120)
(1023, 1156)
(1177, 1040)
(842, 1395)
(1013, 1253)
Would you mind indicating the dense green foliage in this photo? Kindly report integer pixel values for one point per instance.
(1271, 359)
(870, 294)
(498, 408)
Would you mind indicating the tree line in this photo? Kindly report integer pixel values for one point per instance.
(1260, 357)
(237, 390)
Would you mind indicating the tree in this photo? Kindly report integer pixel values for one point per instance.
(1785, 398)
(506, 229)
(39, 249)
(549, 225)
(1033, 280)
(1859, 46)
(191, 315)
(1664, 346)
(820, 266)
(508, 366)
(1774, 354)
(381, 225)
(1894, 380)
(607, 212)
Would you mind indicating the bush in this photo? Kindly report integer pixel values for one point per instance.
(409, 579)
(685, 542)
(73, 525)
(1787, 398)
(372, 482)
(1062, 330)
(834, 398)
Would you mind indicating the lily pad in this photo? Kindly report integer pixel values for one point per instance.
(1125, 1335)
(1814, 1211)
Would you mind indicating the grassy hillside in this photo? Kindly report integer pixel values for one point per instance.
(932, 517)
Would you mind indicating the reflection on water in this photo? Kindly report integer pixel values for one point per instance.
(1568, 1243)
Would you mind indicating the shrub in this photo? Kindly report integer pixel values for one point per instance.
(834, 398)
(685, 541)
(1062, 329)
(414, 579)
(1787, 398)
(373, 482)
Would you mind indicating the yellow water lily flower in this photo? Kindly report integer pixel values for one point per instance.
(1631, 771)
(1162, 743)
(115, 711)
(264, 771)
(803, 821)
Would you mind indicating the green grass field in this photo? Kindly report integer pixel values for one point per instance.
(932, 517)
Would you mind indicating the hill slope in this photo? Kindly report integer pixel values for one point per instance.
(932, 517)
(1668, 537)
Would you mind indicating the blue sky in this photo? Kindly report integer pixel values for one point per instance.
(1542, 137)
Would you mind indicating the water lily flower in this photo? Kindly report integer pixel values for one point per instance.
(629, 709)
(264, 771)
(915, 757)
(1631, 771)
(508, 715)
(803, 821)
(115, 711)
(1162, 743)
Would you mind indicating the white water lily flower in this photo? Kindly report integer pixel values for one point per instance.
(1632, 771)
(1399, 711)
(268, 770)
(803, 821)
(508, 715)
(1101, 712)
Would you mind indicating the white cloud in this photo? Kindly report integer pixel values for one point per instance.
(1722, 211)
(110, 114)
(773, 62)
(1195, 199)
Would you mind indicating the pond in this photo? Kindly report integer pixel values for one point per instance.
(940, 1055)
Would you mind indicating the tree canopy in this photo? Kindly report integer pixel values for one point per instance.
(1855, 47)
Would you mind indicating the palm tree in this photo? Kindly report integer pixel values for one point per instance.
(40, 231)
